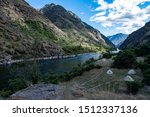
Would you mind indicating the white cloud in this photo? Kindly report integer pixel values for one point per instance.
(125, 15)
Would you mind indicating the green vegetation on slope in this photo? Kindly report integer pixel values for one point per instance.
(125, 59)
(38, 31)
(145, 67)
(143, 50)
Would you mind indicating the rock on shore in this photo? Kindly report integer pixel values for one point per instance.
(39, 92)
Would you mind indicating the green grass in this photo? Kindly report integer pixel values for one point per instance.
(37, 29)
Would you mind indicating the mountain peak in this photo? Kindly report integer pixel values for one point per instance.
(118, 38)
(70, 23)
(54, 7)
(60, 10)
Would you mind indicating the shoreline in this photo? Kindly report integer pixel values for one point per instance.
(9, 62)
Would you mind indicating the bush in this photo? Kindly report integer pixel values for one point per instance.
(133, 87)
(125, 59)
(54, 79)
(107, 55)
(98, 66)
(17, 84)
(142, 50)
(146, 73)
(145, 67)
(5, 93)
(35, 74)
(14, 86)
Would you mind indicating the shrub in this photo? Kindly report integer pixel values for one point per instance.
(145, 67)
(35, 74)
(125, 59)
(17, 84)
(98, 66)
(90, 61)
(13, 86)
(5, 93)
(107, 55)
(52, 79)
(146, 73)
(142, 50)
(133, 87)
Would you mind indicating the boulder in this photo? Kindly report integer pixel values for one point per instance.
(39, 92)
(131, 72)
(128, 79)
(78, 92)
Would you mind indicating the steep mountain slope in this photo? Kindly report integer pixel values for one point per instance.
(79, 32)
(117, 39)
(26, 32)
(138, 38)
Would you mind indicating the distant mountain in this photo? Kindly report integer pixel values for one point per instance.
(78, 31)
(138, 38)
(117, 39)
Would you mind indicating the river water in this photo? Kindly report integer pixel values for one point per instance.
(55, 66)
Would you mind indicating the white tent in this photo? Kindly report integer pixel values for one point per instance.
(131, 72)
(128, 78)
(109, 72)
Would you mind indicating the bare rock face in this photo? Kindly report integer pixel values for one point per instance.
(39, 92)
(78, 92)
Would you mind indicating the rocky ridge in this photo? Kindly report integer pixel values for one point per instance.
(138, 38)
(74, 27)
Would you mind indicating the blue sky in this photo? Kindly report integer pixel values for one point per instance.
(108, 16)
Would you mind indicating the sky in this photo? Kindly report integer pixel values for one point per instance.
(108, 16)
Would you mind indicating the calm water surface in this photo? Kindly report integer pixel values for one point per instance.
(56, 66)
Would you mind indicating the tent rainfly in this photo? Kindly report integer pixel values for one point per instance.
(128, 78)
(131, 72)
(109, 72)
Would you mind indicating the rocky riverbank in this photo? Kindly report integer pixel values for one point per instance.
(39, 92)
(7, 62)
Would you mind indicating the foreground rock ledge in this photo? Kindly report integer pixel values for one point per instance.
(39, 92)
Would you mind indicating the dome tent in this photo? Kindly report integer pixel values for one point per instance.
(109, 72)
(128, 79)
(131, 72)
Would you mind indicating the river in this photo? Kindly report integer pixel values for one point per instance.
(53, 66)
